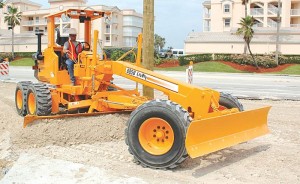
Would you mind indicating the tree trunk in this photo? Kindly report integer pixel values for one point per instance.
(245, 45)
(148, 42)
(12, 44)
(252, 56)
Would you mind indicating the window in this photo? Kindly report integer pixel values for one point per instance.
(226, 8)
(37, 19)
(226, 22)
(107, 39)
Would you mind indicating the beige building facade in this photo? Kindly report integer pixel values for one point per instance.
(119, 29)
(220, 22)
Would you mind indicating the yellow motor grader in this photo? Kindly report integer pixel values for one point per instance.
(193, 121)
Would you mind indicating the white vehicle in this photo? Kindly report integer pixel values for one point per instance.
(177, 52)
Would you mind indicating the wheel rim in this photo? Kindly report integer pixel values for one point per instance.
(31, 103)
(19, 99)
(156, 136)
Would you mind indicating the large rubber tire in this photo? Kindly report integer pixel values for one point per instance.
(229, 101)
(177, 120)
(21, 97)
(39, 100)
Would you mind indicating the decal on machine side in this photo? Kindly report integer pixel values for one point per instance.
(152, 79)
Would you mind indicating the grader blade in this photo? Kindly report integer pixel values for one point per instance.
(31, 118)
(213, 134)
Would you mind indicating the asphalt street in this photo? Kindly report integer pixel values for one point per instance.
(246, 86)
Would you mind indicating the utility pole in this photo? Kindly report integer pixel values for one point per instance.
(277, 33)
(148, 42)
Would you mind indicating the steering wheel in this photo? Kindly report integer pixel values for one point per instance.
(84, 45)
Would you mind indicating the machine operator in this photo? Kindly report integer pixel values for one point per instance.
(71, 49)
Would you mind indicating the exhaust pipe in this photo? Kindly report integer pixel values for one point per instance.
(38, 55)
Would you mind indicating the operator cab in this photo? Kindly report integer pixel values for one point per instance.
(46, 69)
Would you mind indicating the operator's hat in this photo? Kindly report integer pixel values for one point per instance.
(72, 31)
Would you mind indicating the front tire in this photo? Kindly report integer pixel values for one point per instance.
(39, 100)
(21, 97)
(228, 101)
(156, 134)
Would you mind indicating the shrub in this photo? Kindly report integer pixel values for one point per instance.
(196, 58)
(117, 53)
(4, 55)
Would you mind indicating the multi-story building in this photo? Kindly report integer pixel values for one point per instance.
(120, 29)
(132, 26)
(221, 19)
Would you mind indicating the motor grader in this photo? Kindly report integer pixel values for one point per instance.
(193, 121)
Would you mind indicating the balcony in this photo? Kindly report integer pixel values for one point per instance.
(206, 29)
(33, 22)
(257, 11)
(273, 11)
(272, 23)
(295, 25)
(207, 15)
(258, 25)
(107, 31)
(295, 12)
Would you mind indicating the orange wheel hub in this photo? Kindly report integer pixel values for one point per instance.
(19, 99)
(156, 136)
(31, 103)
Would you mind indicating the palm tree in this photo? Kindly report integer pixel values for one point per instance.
(1, 4)
(13, 18)
(159, 42)
(247, 31)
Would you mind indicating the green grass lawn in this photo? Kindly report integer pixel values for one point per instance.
(206, 67)
(292, 70)
(22, 62)
(199, 67)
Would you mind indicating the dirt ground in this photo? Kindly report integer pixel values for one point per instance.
(99, 142)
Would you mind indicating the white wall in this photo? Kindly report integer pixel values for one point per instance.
(238, 48)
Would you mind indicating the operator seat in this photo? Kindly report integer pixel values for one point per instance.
(61, 56)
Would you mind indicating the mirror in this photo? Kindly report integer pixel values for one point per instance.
(65, 18)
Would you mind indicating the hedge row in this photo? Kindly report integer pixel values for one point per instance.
(265, 61)
(8, 55)
(196, 58)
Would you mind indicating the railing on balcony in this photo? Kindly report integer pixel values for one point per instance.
(257, 11)
(272, 23)
(295, 25)
(274, 11)
(33, 22)
(207, 15)
(206, 28)
(258, 25)
(295, 11)
(29, 33)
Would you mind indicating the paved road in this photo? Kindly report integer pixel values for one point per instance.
(253, 86)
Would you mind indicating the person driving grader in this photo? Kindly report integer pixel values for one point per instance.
(71, 48)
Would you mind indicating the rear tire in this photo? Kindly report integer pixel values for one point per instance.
(21, 97)
(229, 101)
(39, 100)
(156, 133)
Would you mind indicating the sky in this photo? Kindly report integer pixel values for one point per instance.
(174, 19)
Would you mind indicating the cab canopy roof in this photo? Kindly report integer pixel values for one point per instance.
(79, 14)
